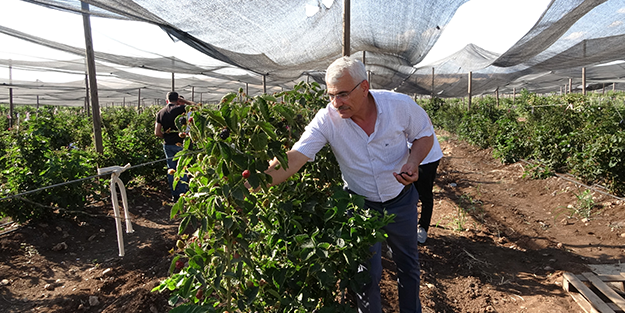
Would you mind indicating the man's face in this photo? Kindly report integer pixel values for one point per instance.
(348, 98)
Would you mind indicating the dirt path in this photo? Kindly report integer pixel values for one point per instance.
(498, 243)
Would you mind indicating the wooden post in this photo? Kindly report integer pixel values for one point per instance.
(432, 90)
(513, 94)
(603, 89)
(124, 102)
(469, 90)
(247, 89)
(369, 78)
(87, 94)
(570, 85)
(193, 93)
(139, 101)
(497, 95)
(95, 102)
(173, 85)
(264, 84)
(584, 78)
(37, 102)
(363, 57)
(346, 27)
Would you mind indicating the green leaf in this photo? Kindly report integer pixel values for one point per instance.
(175, 209)
(268, 129)
(226, 151)
(259, 141)
(264, 108)
(183, 225)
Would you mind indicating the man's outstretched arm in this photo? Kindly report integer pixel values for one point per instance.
(279, 174)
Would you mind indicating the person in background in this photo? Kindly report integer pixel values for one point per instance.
(425, 184)
(165, 128)
(368, 131)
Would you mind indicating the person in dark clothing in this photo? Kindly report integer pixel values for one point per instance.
(425, 184)
(165, 127)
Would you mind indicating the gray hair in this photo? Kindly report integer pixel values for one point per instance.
(340, 66)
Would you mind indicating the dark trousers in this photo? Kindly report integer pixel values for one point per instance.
(402, 241)
(425, 184)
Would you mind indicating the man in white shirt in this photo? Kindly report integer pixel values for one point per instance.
(368, 131)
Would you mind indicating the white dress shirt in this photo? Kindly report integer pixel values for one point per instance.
(367, 162)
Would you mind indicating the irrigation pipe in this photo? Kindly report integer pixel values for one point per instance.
(581, 184)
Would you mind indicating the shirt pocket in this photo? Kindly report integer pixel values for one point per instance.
(393, 149)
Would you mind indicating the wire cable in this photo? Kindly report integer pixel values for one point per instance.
(88, 178)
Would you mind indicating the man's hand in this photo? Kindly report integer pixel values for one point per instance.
(408, 175)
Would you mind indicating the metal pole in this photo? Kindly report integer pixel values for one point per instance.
(11, 113)
(584, 77)
(95, 103)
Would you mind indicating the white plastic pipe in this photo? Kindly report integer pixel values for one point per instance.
(115, 181)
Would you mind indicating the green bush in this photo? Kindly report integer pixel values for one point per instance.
(293, 248)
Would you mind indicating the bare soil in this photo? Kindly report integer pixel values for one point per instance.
(499, 242)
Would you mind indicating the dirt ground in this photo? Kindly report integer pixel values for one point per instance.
(498, 243)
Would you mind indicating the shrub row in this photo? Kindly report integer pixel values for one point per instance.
(577, 134)
(55, 145)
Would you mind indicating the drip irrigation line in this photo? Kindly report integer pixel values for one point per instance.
(87, 178)
(581, 184)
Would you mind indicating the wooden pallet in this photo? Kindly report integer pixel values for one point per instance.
(608, 301)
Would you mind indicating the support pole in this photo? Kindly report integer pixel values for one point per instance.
(346, 27)
(11, 113)
(469, 89)
(364, 61)
(193, 93)
(432, 90)
(570, 85)
(173, 85)
(95, 102)
(584, 78)
(497, 95)
(139, 101)
(264, 84)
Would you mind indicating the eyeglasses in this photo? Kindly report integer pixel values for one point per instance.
(343, 94)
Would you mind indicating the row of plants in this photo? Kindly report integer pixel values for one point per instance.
(54, 145)
(294, 247)
(576, 134)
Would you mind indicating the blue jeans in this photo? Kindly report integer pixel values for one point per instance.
(170, 152)
(402, 241)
